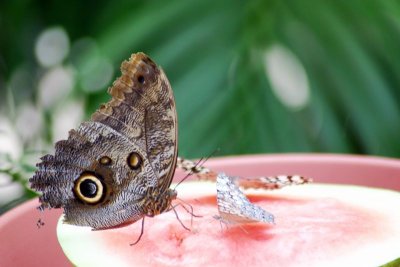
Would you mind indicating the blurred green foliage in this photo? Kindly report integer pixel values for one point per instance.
(214, 53)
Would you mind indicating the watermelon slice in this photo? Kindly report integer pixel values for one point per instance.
(316, 225)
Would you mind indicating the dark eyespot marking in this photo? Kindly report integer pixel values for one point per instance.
(89, 188)
(141, 79)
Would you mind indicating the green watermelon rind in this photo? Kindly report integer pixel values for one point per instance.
(395, 263)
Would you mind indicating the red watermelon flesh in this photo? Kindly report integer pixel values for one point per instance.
(316, 225)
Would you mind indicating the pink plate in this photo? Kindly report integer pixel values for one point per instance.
(23, 244)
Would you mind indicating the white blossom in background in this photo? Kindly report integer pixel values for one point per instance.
(29, 122)
(66, 117)
(5, 179)
(10, 144)
(55, 85)
(288, 77)
(9, 190)
(52, 46)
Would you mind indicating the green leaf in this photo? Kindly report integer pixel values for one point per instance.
(395, 263)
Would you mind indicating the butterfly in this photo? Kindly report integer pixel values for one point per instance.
(117, 167)
(233, 206)
(262, 182)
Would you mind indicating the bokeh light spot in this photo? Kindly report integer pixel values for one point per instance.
(55, 85)
(10, 192)
(9, 142)
(52, 46)
(287, 76)
(28, 114)
(66, 117)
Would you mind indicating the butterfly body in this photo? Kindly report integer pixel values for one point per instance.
(158, 202)
(118, 166)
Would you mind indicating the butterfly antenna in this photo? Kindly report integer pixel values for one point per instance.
(195, 168)
(191, 172)
(141, 233)
(183, 179)
(200, 164)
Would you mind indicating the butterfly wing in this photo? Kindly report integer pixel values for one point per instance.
(143, 108)
(263, 182)
(101, 173)
(233, 205)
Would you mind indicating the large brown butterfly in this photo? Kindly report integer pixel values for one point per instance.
(118, 166)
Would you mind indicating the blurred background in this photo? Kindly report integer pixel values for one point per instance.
(255, 76)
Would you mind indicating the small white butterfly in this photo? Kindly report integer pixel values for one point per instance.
(234, 206)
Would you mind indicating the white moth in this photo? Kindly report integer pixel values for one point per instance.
(235, 207)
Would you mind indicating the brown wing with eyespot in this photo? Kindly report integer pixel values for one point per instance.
(143, 109)
(102, 173)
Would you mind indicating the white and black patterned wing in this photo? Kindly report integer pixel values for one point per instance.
(233, 205)
(263, 182)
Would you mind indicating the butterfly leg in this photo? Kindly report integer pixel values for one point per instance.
(219, 218)
(222, 221)
(141, 233)
(187, 210)
(183, 205)
(177, 216)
